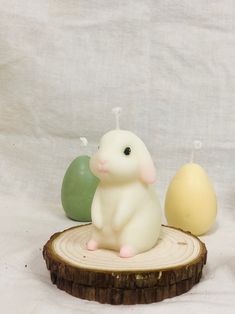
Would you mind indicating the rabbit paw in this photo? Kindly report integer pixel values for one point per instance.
(92, 245)
(126, 251)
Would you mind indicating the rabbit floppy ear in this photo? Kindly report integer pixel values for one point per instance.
(147, 170)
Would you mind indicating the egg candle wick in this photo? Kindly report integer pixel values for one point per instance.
(197, 145)
(84, 144)
(117, 112)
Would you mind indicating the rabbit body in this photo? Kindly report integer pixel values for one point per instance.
(129, 216)
(125, 211)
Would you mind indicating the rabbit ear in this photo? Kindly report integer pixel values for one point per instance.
(147, 170)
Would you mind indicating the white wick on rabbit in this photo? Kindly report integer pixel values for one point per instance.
(125, 211)
(117, 112)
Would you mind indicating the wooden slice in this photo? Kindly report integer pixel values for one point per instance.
(171, 268)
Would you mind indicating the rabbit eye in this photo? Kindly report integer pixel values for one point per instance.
(127, 151)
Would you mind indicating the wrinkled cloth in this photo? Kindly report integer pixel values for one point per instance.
(64, 65)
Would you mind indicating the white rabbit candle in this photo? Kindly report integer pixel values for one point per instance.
(125, 211)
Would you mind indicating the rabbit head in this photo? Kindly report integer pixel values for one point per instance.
(122, 156)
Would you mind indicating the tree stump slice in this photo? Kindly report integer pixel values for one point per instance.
(171, 268)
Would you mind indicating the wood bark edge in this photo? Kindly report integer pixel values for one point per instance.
(123, 287)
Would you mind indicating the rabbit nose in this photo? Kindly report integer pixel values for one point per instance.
(103, 161)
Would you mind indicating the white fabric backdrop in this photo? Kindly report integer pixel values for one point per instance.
(63, 65)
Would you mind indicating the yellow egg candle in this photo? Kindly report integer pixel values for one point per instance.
(190, 200)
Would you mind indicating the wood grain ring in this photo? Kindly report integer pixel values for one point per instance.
(169, 269)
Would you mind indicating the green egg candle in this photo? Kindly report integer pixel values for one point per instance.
(78, 188)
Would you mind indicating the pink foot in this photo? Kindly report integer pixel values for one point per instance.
(92, 245)
(126, 251)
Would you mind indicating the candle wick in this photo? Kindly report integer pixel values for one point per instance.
(192, 156)
(117, 112)
(84, 141)
(84, 145)
(117, 122)
(197, 145)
